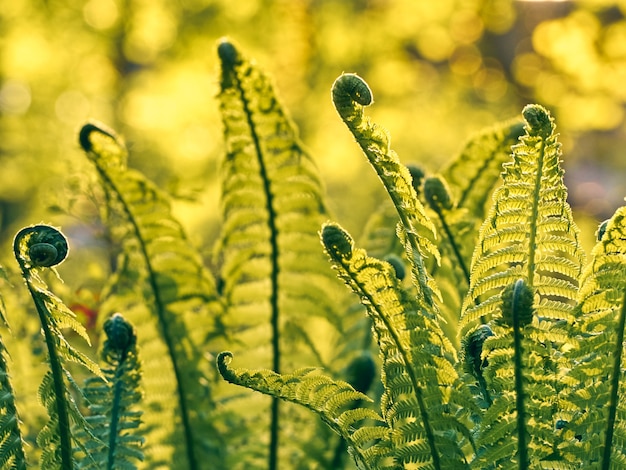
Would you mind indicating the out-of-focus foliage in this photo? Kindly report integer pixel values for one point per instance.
(444, 70)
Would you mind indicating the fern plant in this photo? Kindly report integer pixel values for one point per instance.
(529, 385)
(38, 247)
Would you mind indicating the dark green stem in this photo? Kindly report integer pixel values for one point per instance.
(519, 379)
(453, 244)
(60, 391)
(118, 389)
(615, 380)
(274, 256)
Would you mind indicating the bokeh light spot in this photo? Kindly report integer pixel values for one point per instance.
(15, 97)
(434, 43)
(72, 107)
(465, 60)
(100, 14)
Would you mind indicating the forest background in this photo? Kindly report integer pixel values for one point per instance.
(441, 71)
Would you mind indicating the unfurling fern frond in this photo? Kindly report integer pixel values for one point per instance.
(597, 431)
(424, 403)
(11, 441)
(524, 281)
(37, 247)
(277, 287)
(164, 289)
(350, 94)
(331, 400)
(112, 403)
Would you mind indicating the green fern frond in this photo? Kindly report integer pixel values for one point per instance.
(529, 232)
(273, 205)
(112, 403)
(163, 287)
(424, 401)
(524, 282)
(597, 431)
(473, 174)
(11, 441)
(276, 284)
(350, 94)
(331, 400)
(37, 247)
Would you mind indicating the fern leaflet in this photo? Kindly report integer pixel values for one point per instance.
(350, 94)
(331, 400)
(11, 441)
(275, 281)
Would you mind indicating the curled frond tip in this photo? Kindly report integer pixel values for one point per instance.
(539, 121)
(338, 243)
(351, 87)
(84, 136)
(227, 52)
(120, 333)
(40, 246)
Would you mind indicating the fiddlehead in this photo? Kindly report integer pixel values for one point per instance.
(350, 87)
(36, 247)
(350, 94)
(40, 246)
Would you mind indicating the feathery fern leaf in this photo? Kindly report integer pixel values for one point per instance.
(11, 441)
(350, 94)
(473, 174)
(112, 403)
(423, 403)
(530, 240)
(598, 429)
(529, 232)
(276, 283)
(37, 247)
(169, 295)
(331, 400)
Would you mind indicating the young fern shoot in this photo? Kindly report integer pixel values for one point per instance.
(38, 247)
(113, 402)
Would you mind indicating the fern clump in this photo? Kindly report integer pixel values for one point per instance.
(535, 326)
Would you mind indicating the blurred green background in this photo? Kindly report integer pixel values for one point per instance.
(440, 71)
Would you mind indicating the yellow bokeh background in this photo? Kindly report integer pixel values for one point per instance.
(440, 71)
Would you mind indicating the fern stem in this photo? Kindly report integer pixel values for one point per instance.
(453, 244)
(534, 215)
(161, 313)
(274, 256)
(519, 384)
(60, 391)
(115, 410)
(615, 382)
